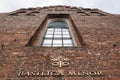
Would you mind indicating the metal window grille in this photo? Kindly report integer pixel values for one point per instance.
(57, 35)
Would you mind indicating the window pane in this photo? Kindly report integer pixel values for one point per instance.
(50, 29)
(57, 36)
(57, 45)
(56, 32)
(56, 42)
(67, 45)
(65, 33)
(49, 32)
(66, 36)
(64, 30)
(47, 45)
(47, 41)
(48, 36)
(68, 41)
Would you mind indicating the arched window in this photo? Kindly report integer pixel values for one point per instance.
(57, 35)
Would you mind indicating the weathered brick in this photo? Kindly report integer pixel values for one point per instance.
(96, 33)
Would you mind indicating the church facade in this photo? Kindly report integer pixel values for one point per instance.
(59, 43)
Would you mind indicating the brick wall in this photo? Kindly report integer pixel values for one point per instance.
(99, 30)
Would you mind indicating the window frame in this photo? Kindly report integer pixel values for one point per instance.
(40, 43)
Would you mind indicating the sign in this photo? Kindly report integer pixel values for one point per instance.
(49, 73)
(59, 62)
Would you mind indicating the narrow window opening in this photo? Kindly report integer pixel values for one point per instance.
(57, 30)
(57, 34)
